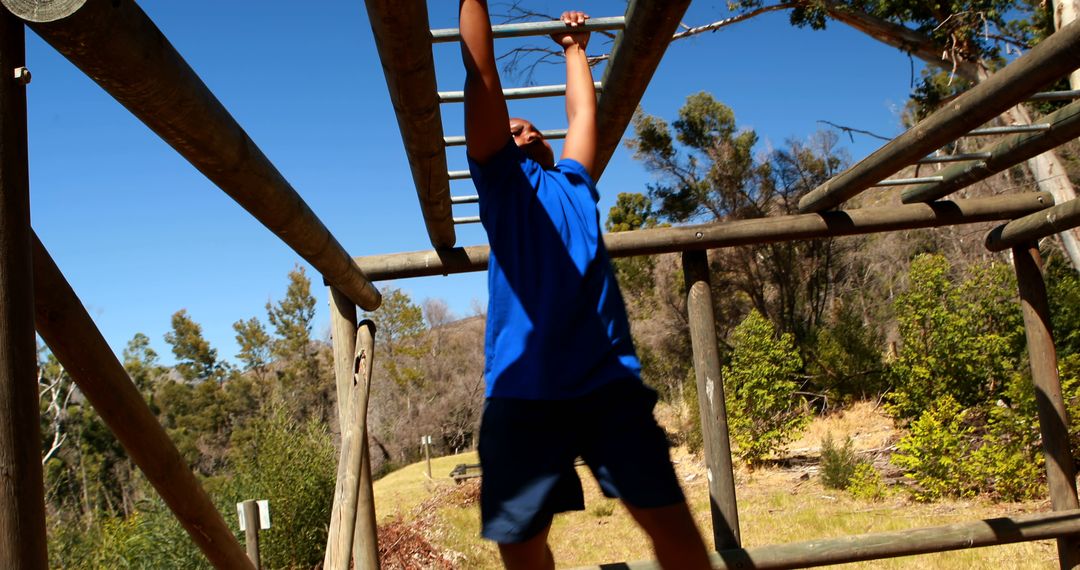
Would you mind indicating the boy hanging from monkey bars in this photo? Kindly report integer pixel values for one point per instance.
(562, 377)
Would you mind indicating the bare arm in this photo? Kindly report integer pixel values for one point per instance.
(580, 142)
(486, 118)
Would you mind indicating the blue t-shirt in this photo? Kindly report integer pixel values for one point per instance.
(556, 323)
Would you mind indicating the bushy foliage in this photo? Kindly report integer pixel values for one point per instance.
(845, 359)
(866, 483)
(763, 410)
(293, 466)
(961, 337)
(838, 463)
(936, 451)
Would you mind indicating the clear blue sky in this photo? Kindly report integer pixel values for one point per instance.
(140, 233)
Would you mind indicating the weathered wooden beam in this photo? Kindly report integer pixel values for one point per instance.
(635, 56)
(116, 44)
(729, 234)
(404, 44)
(1053, 419)
(76, 342)
(710, 395)
(1064, 127)
(1036, 226)
(22, 495)
(1054, 57)
(525, 29)
(877, 546)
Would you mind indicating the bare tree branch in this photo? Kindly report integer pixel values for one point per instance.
(850, 130)
(693, 31)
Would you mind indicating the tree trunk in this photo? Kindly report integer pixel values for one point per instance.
(1065, 12)
(1047, 168)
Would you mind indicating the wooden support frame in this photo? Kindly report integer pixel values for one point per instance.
(353, 532)
(137, 65)
(729, 234)
(1053, 420)
(1054, 57)
(1064, 127)
(1038, 225)
(76, 342)
(710, 391)
(22, 494)
(404, 44)
(877, 546)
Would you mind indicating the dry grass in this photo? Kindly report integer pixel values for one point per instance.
(776, 505)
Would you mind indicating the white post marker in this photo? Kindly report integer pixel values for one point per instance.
(264, 514)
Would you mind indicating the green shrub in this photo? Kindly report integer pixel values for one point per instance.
(693, 436)
(838, 464)
(935, 453)
(763, 410)
(866, 483)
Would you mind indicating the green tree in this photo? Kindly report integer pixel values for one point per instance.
(960, 336)
(196, 360)
(291, 318)
(759, 382)
(399, 322)
(255, 346)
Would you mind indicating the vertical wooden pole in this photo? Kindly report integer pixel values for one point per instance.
(427, 455)
(366, 539)
(1053, 422)
(710, 388)
(22, 495)
(251, 531)
(343, 517)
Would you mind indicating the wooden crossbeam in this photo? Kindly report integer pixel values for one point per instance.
(1053, 58)
(729, 234)
(404, 43)
(1035, 226)
(881, 545)
(138, 66)
(1006, 153)
(77, 343)
(635, 56)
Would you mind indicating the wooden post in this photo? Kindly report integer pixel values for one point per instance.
(22, 496)
(251, 531)
(76, 342)
(427, 454)
(1053, 422)
(710, 389)
(366, 539)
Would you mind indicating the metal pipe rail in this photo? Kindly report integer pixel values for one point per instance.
(119, 47)
(459, 174)
(467, 220)
(1009, 129)
(730, 234)
(881, 545)
(964, 157)
(908, 181)
(1053, 58)
(1035, 226)
(551, 134)
(401, 35)
(1055, 96)
(515, 93)
(77, 343)
(523, 29)
(1064, 126)
(474, 199)
(634, 58)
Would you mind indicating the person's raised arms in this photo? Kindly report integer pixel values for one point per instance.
(487, 121)
(580, 144)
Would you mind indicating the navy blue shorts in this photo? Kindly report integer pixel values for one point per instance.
(528, 449)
